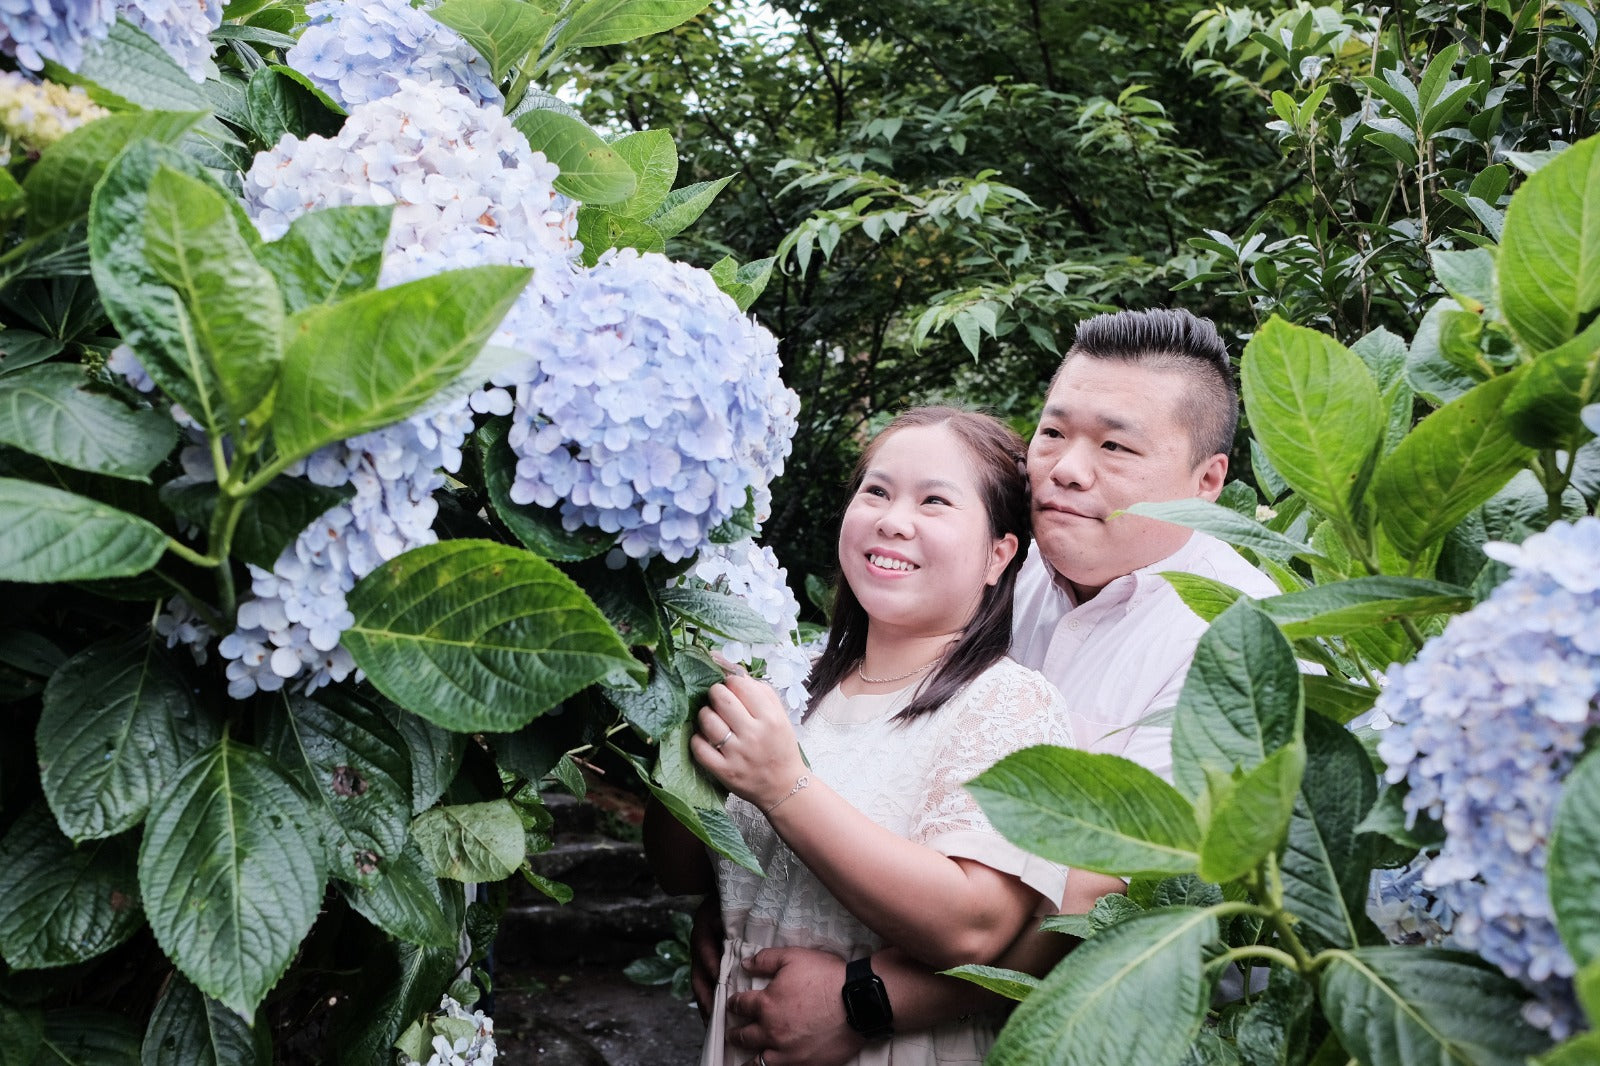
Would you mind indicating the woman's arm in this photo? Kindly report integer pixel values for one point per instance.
(942, 911)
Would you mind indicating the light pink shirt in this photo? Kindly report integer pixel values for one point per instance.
(1122, 656)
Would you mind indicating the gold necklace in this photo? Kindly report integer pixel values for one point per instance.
(898, 677)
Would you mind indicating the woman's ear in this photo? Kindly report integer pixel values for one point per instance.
(1004, 550)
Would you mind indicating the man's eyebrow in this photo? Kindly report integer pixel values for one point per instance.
(1116, 425)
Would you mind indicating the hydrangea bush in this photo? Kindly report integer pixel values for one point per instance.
(370, 370)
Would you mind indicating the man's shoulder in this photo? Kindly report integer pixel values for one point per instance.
(1206, 556)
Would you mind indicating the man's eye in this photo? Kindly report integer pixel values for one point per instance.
(1113, 446)
(1052, 434)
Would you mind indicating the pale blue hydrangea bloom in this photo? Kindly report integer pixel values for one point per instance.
(651, 406)
(750, 573)
(181, 27)
(33, 31)
(476, 1048)
(362, 50)
(1488, 719)
(1405, 909)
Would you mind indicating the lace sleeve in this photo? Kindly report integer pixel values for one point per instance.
(1005, 711)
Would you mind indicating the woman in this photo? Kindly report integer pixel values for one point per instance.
(875, 842)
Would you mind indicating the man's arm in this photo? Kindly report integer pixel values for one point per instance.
(798, 1018)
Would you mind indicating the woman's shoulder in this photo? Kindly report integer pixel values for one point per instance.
(1009, 678)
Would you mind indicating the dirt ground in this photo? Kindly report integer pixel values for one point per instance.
(576, 1015)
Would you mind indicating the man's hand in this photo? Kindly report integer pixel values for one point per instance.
(705, 954)
(798, 1019)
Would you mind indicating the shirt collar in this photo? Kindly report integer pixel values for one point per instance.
(1128, 586)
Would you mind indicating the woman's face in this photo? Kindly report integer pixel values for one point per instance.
(915, 543)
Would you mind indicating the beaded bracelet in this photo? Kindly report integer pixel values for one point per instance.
(805, 779)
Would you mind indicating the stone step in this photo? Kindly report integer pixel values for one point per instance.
(587, 930)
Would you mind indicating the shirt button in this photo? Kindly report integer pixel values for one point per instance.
(1072, 624)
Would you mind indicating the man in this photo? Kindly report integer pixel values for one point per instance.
(1142, 408)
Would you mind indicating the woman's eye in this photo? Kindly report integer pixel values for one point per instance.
(873, 490)
(936, 499)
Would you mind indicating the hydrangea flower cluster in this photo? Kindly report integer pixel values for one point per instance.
(1405, 909)
(460, 1038)
(357, 52)
(35, 115)
(468, 191)
(33, 31)
(181, 27)
(653, 407)
(1487, 721)
(749, 572)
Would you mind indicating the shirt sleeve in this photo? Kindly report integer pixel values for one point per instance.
(1018, 710)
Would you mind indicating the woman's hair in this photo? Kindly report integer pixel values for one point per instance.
(999, 456)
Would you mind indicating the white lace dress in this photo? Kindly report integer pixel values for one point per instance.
(907, 777)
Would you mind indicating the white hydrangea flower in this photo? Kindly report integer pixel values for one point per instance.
(357, 51)
(1488, 719)
(476, 1049)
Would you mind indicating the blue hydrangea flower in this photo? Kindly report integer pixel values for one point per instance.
(357, 51)
(181, 27)
(1487, 721)
(33, 31)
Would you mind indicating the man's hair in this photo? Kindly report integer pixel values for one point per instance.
(1171, 339)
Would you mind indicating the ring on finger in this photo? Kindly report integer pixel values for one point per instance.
(718, 746)
(761, 1058)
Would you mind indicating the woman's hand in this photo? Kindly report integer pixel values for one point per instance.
(746, 741)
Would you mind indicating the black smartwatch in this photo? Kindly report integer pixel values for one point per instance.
(866, 1001)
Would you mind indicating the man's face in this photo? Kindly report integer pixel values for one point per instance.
(1111, 436)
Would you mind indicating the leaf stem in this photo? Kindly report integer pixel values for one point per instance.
(1264, 951)
(188, 554)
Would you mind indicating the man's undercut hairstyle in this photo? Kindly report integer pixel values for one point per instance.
(1172, 339)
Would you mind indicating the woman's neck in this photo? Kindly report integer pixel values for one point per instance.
(895, 660)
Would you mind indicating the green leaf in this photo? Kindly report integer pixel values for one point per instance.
(269, 521)
(21, 1034)
(1550, 251)
(1468, 276)
(1096, 812)
(60, 183)
(1429, 370)
(743, 283)
(436, 755)
(627, 598)
(473, 841)
(190, 1028)
(1150, 968)
(1012, 984)
(1335, 698)
(1326, 861)
(1240, 702)
(22, 348)
(399, 982)
(328, 255)
(477, 636)
(117, 724)
(1545, 408)
(376, 357)
(232, 873)
(540, 529)
(355, 765)
(599, 230)
(1574, 863)
(503, 31)
(654, 161)
(1249, 818)
(59, 903)
(1447, 467)
(74, 1036)
(1385, 355)
(1406, 1006)
(404, 899)
(661, 706)
(50, 535)
(128, 63)
(1315, 410)
(1226, 525)
(592, 172)
(598, 22)
(47, 411)
(719, 613)
(280, 106)
(682, 206)
(693, 801)
(1581, 1050)
(1205, 596)
(1342, 607)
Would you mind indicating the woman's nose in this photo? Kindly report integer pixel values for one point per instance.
(895, 521)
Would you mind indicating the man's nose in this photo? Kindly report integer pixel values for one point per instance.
(1074, 466)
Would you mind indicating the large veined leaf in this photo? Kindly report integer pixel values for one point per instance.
(472, 841)
(503, 31)
(48, 412)
(1407, 1006)
(1240, 702)
(1448, 466)
(398, 982)
(49, 535)
(405, 899)
(74, 1036)
(270, 519)
(1249, 817)
(129, 63)
(355, 764)
(61, 904)
(21, 1034)
(654, 159)
(661, 706)
(1097, 812)
(329, 254)
(1134, 994)
(1550, 251)
(1574, 863)
(1326, 861)
(477, 636)
(719, 613)
(1226, 525)
(190, 1028)
(1341, 607)
(598, 22)
(118, 722)
(280, 104)
(680, 787)
(60, 183)
(194, 243)
(435, 755)
(1315, 410)
(1545, 409)
(374, 358)
(232, 872)
(592, 171)
(1205, 596)
(1013, 984)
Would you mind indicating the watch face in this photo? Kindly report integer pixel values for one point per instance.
(866, 1005)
